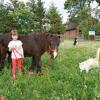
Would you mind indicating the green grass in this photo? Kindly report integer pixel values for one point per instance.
(62, 81)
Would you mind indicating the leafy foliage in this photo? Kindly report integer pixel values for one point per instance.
(29, 17)
(55, 20)
(38, 14)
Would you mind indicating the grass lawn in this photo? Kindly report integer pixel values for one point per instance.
(63, 79)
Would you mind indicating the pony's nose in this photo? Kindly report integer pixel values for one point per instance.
(55, 54)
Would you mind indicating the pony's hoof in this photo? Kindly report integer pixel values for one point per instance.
(1, 72)
(39, 73)
(32, 73)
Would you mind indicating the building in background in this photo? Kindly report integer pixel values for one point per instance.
(71, 30)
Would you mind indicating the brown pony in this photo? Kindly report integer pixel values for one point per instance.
(34, 45)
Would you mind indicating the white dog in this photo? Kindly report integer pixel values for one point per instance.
(90, 63)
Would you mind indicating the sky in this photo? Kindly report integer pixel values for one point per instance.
(60, 6)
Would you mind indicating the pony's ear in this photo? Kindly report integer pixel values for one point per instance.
(48, 36)
(51, 35)
(10, 33)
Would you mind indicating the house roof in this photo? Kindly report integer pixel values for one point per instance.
(70, 25)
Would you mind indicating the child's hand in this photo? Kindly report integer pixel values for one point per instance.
(14, 46)
(20, 47)
(10, 49)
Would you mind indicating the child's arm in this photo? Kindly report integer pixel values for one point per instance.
(10, 46)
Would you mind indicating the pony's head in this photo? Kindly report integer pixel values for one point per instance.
(53, 43)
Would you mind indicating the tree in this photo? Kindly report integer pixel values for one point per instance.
(21, 15)
(55, 20)
(71, 5)
(98, 1)
(15, 15)
(75, 6)
(5, 19)
(32, 5)
(38, 14)
(29, 17)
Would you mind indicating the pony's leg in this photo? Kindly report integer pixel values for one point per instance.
(2, 62)
(9, 60)
(0, 57)
(33, 65)
(1, 66)
(38, 65)
(3, 56)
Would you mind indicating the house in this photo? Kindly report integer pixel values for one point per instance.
(71, 30)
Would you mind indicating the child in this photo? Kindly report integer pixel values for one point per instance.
(17, 55)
